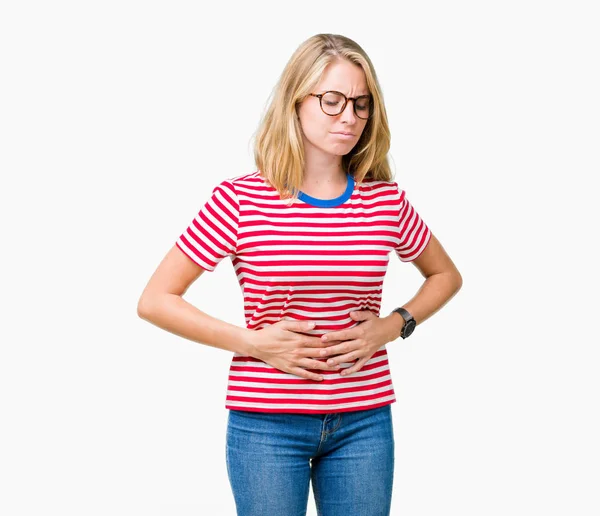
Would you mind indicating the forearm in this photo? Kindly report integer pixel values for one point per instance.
(434, 293)
(174, 314)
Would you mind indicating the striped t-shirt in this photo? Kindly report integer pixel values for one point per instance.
(315, 260)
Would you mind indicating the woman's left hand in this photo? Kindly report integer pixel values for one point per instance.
(360, 342)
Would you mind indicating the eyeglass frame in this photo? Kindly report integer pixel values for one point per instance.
(346, 99)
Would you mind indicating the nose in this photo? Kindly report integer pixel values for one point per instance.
(348, 113)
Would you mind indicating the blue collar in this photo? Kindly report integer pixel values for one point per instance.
(329, 203)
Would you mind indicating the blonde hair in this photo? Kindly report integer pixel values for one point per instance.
(278, 148)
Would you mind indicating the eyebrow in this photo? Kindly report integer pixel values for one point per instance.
(335, 89)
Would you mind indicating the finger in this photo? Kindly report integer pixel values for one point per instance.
(342, 359)
(318, 348)
(303, 373)
(313, 342)
(298, 326)
(341, 335)
(355, 368)
(338, 348)
(310, 363)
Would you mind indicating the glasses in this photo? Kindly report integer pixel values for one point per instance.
(334, 102)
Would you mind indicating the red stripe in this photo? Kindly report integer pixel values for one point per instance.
(315, 410)
(352, 233)
(301, 401)
(341, 390)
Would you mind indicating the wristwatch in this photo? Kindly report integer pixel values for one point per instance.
(409, 322)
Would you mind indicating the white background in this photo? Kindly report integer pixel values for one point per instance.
(118, 118)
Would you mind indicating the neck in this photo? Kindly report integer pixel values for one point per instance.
(322, 169)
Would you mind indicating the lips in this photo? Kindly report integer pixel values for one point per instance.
(345, 134)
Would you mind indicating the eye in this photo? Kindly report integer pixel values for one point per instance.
(332, 99)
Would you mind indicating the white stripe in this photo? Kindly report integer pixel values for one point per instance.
(299, 219)
(271, 242)
(316, 397)
(298, 292)
(250, 363)
(288, 257)
(308, 407)
(299, 278)
(355, 248)
(324, 387)
(307, 268)
(332, 305)
(288, 376)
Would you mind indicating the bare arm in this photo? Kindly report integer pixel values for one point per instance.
(284, 345)
(162, 304)
(442, 282)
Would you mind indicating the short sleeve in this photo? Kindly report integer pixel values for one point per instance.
(212, 234)
(414, 234)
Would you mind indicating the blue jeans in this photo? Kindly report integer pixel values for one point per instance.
(348, 457)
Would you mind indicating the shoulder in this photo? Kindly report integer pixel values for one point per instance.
(233, 184)
(388, 189)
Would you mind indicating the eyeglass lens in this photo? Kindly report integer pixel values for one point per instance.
(332, 104)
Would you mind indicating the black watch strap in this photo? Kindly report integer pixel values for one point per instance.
(409, 322)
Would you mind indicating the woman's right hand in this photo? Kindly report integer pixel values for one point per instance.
(283, 346)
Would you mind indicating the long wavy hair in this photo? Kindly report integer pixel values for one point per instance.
(278, 147)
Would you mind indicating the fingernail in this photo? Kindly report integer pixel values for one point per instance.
(311, 324)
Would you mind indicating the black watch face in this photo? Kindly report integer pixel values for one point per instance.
(409, 327)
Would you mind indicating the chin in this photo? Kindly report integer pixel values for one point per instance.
(342, 150)
(339, 152)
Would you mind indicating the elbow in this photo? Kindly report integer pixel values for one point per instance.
(143, 308)
(150, 304)
(458, 281)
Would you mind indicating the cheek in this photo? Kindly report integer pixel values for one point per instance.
(315, 130)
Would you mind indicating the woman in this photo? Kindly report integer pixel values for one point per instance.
(309, 234)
